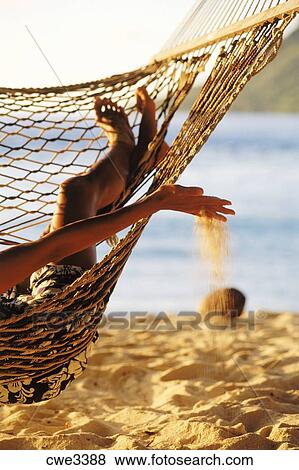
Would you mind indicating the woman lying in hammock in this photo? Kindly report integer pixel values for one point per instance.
(69, 247)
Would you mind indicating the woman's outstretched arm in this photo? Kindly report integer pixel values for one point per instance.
(18, 262)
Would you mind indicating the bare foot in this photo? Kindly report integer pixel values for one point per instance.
(146, 106)
(144, 101)
(148, 129)
(114, 122)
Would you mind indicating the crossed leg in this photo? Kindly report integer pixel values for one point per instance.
(84, 195)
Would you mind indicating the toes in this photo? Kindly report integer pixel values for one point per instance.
(106, 107)
(121, 110)
(99, 105)
(142, 91)
(104, 103)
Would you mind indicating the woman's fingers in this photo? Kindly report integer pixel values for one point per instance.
(222, 210)
(192, 201)
(215, 205)
(215, 215)
(212, 200)
(226, 210)
(218, 208)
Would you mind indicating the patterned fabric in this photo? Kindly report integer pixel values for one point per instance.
(46, 282)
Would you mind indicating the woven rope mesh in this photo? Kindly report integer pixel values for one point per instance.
(46, 136)
(208, 16)
(49, 134)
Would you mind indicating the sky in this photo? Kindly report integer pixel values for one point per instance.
(82, 39)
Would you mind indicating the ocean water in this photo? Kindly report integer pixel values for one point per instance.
(253, 160)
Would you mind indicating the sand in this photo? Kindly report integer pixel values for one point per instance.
(188, 389)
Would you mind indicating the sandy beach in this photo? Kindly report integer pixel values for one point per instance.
(188, 389)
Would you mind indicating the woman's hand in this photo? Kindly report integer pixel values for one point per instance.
(18, 262)
(191, 201)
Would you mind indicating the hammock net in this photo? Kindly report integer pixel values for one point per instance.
(50, 134)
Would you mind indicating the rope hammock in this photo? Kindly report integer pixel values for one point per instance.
(48, 134)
